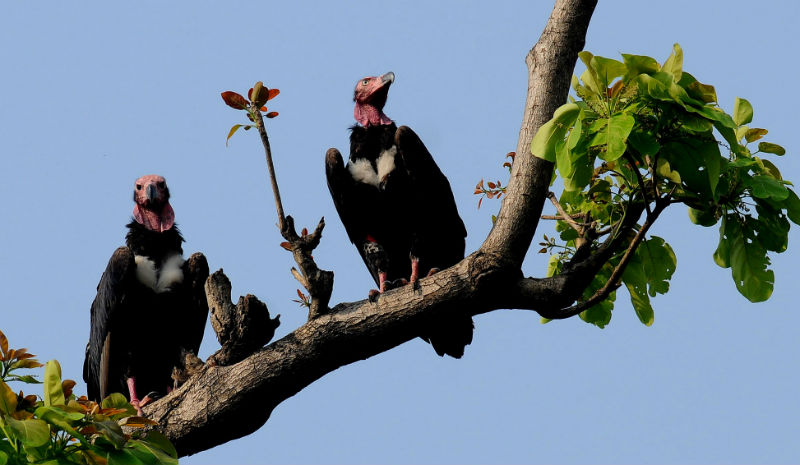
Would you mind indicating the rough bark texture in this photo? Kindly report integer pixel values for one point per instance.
(206, 410)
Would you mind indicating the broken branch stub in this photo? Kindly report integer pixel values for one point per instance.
(242, 328)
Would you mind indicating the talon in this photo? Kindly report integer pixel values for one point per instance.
(373, 295)
(137, 405)
(433, 271)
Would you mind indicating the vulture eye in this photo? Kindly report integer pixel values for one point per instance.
(365, 82)
(138, 187)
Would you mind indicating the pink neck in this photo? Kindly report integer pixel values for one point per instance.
(369, 115)
(158, 222)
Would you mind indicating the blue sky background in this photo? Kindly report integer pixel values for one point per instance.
(95, 94)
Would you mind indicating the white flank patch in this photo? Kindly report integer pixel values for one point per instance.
(386, 162)
(146, 271)
(162, 279)
(361, 170)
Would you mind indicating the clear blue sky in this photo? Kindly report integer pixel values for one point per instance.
(95, 94)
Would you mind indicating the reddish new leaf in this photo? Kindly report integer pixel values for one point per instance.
(286, 245)
(234, 100)
(272, 94)
(272, 114)
(479, 203)
(491, 185)
(304, 232)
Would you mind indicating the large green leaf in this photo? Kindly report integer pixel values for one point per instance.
(639, 64)
(772, 227)
(589, 77)
(606, 70)
(792, 205)
(32, 432)
(698, 161)
(674, 63)
(748, 261)
(769, 147)
(616, 135)
(53, 394)
(553, 131)
(742, 111)
(61, 419)
(767, 187)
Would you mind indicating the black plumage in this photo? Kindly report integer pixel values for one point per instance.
(397, 207)
(150, 305)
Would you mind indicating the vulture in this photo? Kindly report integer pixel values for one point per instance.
(397, 207)
(150, 304)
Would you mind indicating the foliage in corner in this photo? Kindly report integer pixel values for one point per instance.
(60, 428)
(648, 135)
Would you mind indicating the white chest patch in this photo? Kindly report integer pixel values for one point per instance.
(362, 170)
(159, 279)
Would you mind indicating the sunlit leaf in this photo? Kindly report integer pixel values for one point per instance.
(8, 399)
(3, 343)
(754, 134)
(232, 132)
(742, 111)
(771, 148)
(31, 432)
(53, 394)
(544, 142)
(234, 100)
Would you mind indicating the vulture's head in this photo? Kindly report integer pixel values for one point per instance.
(370, 97)
(152, 210)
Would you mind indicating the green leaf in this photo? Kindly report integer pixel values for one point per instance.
(619, 126)
(772, 228)
(3, 458)
(24, 379)
(53, 394)
(111, 431)
(32, 432)
(702, 217)
(116, 400)
(742, 111)
(722, 256)
(674, 64)
(702, 92)
(61, 419)
(639, 64)
(159, 440)
(768, 147)
(698, 162)
(8, 399)
(232, 132)
(644, 142)
(766, 187)
(589, 77)
(553, 266)
(665, 171)
(748, 261)
(792, 205)
(753, 134)
(124, 457)
(606, 70)
(544, 142)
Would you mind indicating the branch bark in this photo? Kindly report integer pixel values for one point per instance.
(221, 403)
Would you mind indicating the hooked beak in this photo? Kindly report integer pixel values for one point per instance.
(152, 193)
(387, 78)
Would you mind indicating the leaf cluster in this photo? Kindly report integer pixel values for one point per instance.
(649, 134)
(61, 428)
(258, 95)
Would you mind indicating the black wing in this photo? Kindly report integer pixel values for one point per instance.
(437, 228)
(356, 205)
(100, 370)
(194, 309)
(438, 234)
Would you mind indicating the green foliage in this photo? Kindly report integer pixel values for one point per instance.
(61, 428)
(645, 134)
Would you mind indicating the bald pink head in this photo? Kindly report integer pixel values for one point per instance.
(370, 97)
(152, 210)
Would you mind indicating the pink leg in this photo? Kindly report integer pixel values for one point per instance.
(382, 281)
(414, 272)
(134, 398)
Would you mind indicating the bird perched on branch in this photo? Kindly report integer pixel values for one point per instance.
(150, 304)
(397, 207)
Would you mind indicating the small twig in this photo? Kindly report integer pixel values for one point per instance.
(262, 131)
(632, 162)
(564, 215)
(559, 217)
